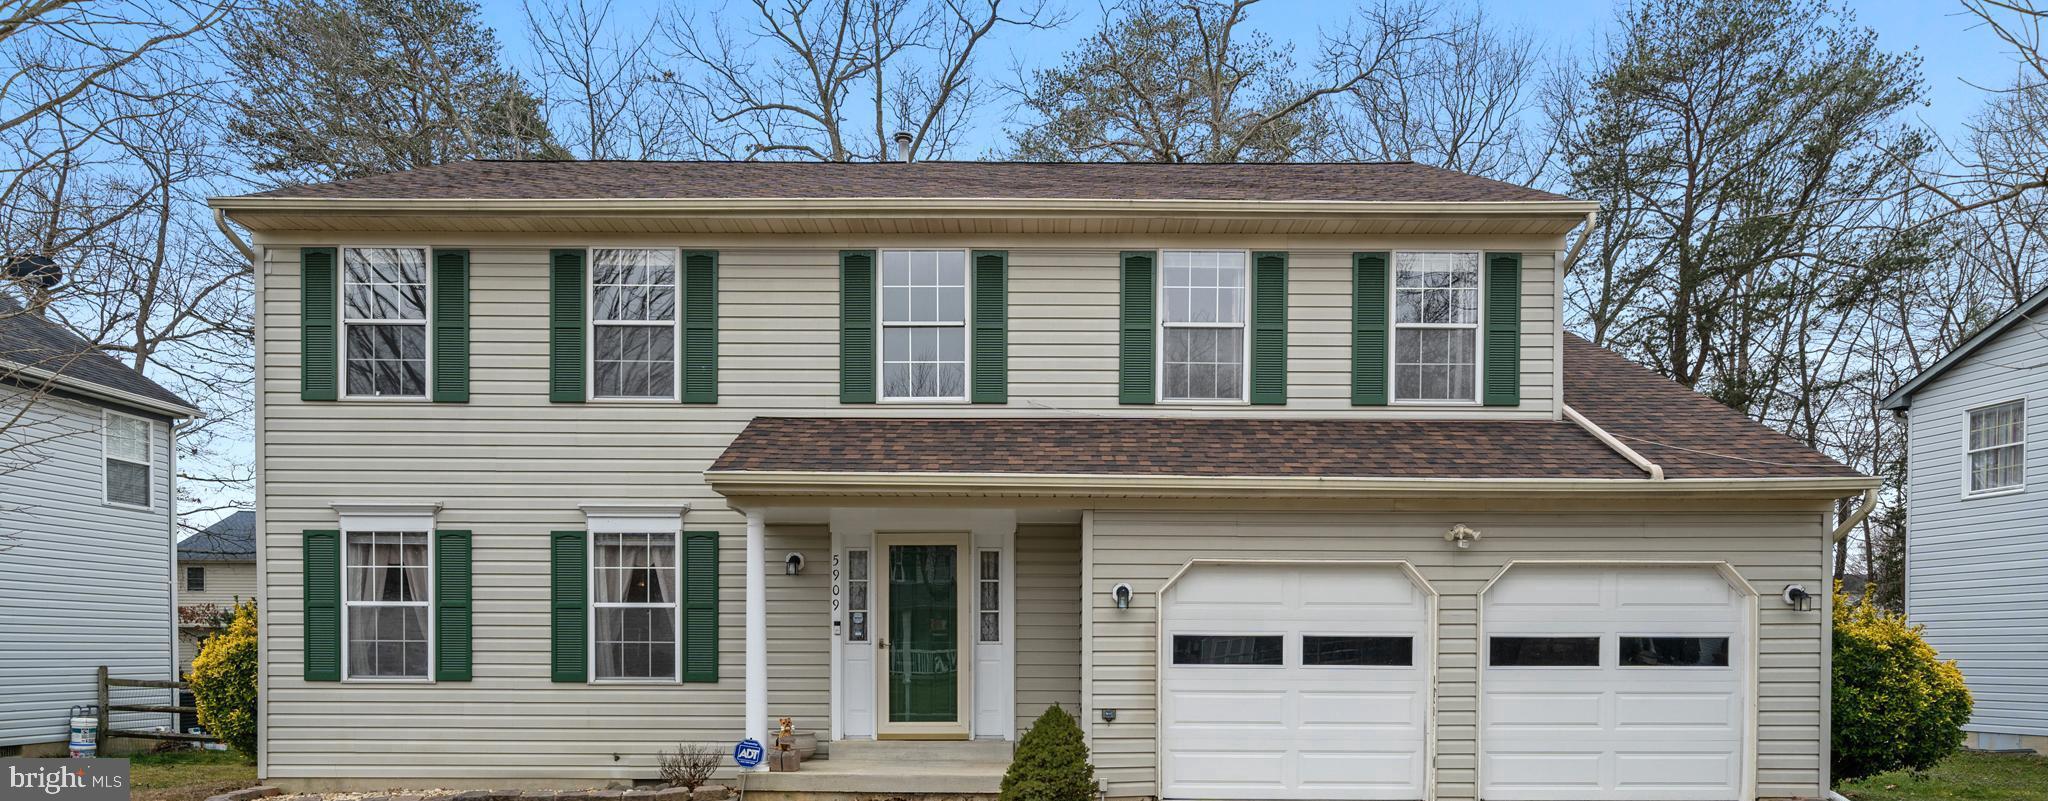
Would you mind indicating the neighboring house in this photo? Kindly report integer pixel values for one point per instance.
(1285, 478)
(1977, 520)
(87, 501)
(216, 570)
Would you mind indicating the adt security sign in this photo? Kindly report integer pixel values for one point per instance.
(748, 753)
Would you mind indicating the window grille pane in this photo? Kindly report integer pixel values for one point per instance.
(195, 579)
(991, 627)
(1226, 649)
(1436, 363)
(127, 483)
(384, 284)
(636, 642)
(387, 359)
(991, 565)
(857, 565)
(1544, 651)
(1203, 286)
(1674, 651)
(924, 336)
(1204, 363)
(632, 284)
(636, 361)
(387, 641)
(1355, 651)
(128, 438)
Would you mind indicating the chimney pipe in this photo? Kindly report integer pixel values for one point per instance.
(35, 275)
(903, 142)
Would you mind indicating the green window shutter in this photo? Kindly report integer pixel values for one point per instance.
(320, 561)
(569, 606)
(451, 606)
(1137, 343)
(565, 326)
(1369, 329)
(700, 606)
(700, 326)
(451, 326)
(1269, 328)
(856, 326)
(319, 366)
(1502, 374)
(991, 326)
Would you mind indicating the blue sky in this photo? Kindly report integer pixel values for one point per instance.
(1956, 54)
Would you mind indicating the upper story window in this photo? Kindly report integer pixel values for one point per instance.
(1436, 327)
(1203, 337)
(385, 602)
(636, 625)
(633, 318)
(384, 320)
(924, 325)
(195, 579)
(127, 448)
(1996, 456)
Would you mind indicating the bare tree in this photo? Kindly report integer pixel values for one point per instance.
(62, 50)
(806, 79)
(602, 85)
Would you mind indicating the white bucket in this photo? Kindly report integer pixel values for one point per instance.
(85, 738)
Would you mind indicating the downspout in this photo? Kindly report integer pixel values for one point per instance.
(1869, 503)
(1655, 470)
(220, 220)
(1571, 256)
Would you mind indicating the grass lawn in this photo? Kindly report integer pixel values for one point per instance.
(188, 775)
(1964, 777)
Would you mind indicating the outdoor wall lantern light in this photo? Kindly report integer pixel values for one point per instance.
(1462, 535)
(793, 563)
(1797, 597)
(1122, 595)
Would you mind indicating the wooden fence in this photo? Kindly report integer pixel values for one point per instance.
(107, 707)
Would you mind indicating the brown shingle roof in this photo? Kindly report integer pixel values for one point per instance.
(612, 180)
(1688, 434)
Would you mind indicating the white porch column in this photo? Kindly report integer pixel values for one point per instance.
(757, 630)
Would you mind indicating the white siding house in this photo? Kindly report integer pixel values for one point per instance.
(1977, 520)
(86, 507)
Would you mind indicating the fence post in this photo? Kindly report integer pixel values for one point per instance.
(100, 737)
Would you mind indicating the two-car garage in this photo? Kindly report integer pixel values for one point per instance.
(1295, 680)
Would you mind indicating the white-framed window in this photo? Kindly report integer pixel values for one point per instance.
(384, 342)
(1202, 342)
(1436, 327)
(924, 325)
(387, 590)
(989, 595)
(1995, 458)
(636, 621)
(857, 595)
(195, 579)
(634, 319)
(126, 445)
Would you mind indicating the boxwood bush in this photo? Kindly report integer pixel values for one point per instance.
(224, 681)
(1897, 704)
(1051, 763)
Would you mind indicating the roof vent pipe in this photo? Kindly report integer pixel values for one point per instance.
(903, 141)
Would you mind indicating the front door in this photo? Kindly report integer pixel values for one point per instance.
(923, 613)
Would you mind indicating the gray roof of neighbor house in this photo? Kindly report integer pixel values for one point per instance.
(1901, 399)
(233, 539)
(33, 346)
(1400, 182)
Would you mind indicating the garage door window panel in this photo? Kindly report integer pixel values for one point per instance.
(1236, 650)
(1674, 651)
(1347, 650)
(1543, 652)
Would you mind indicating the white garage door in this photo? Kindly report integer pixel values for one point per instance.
(1294, 682)
(1614, 683)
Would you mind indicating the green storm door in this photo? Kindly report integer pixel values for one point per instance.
(924, 641)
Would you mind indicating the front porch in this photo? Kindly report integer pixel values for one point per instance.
(930, 771)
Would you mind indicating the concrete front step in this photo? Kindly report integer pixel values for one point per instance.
(917, 752)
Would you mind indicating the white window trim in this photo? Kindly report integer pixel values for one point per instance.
(188, 578)
(631, 519)
(148, 459)
(1160, 325)
(426, 322)
(378, 519)
(590, 323)
(1394, 326)
(966, 324)
(1967, 492)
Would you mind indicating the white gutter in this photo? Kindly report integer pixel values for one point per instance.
(99, 391)
(795, 482)
(220, 220)
(1571, 257)
(1655, 470)
(1869, 503)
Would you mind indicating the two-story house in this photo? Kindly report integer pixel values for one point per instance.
(88, 498)
(1977, 520)
(216, 570)
(1285, 478)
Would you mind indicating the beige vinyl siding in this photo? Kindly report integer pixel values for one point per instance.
(1768, 548)
(1048, 620)
(226, 583)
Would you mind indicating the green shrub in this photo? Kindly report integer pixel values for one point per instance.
(224, 681)
(1051, 763)
(1898, 705)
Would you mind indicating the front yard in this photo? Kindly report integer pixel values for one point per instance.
(1964, 777)
(188, 775)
